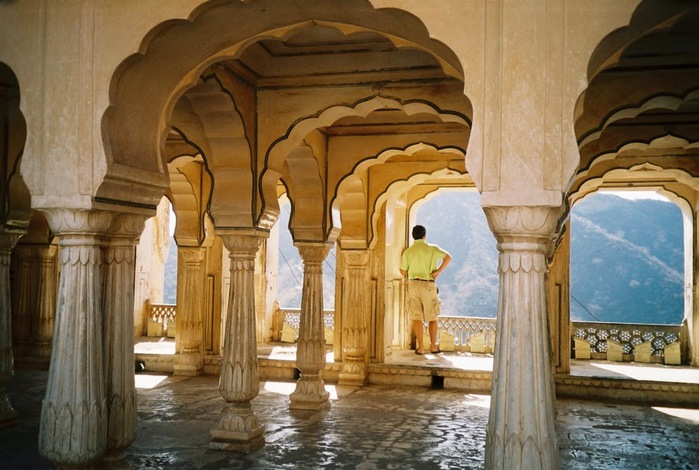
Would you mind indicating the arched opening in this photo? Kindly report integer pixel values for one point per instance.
(627, 259)
(455, 221)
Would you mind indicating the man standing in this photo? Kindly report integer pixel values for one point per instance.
(419, 263)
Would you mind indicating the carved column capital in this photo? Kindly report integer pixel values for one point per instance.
(241, 242)
(313, 253)
(78, 221)
(127, 225)
(191, 255)
(519, 224)
(356, 258)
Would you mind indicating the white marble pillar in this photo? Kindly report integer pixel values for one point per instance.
(34, 302)
(521, 430)
(24, 288)
(73, 428)
(238, 428)
(119, 253)
(7, 242)
(191, 298)
(310, 391)
(42, 326)
(356, 305)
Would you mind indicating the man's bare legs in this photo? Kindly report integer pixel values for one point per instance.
(418, 327)
(433, 336)
(418, 332)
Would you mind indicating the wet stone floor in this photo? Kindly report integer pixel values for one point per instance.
(373, 427)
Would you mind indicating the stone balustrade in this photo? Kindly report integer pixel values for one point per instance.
(634, 342)
(626, 342)
(161, 319)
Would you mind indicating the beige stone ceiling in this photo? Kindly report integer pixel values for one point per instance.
(320, 56)
(642, 104)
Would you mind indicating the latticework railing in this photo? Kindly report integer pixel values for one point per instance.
(292, 317)
(627, 335)
(164, 315)
(466, 330)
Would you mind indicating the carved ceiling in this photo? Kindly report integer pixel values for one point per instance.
(642, 103)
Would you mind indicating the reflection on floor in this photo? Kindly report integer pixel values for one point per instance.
(466, 361)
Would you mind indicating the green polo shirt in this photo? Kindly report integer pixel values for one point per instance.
(420, 260)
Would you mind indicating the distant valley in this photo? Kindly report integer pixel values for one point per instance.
(626, 259)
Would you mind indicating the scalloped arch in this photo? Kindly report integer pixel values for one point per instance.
(295, 135)
(664, 102)
(668, 141)
(402, 186)
(132, 137)
(644, 171)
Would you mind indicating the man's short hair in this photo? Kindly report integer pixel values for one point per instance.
(419, 232)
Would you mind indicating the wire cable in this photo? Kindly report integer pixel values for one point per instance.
(586, 309)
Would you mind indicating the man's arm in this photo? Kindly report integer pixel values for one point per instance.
(441, 267)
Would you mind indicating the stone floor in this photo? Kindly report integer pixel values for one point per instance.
(374, 427)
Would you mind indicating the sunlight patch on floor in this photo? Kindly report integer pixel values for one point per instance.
(148, 381)
(683, 413)
(481, 401)
(287, 388)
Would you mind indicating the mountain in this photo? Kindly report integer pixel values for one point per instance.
(627, 260)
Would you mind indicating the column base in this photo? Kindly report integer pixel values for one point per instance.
(353, 373)
(8, 414)
(237, 430)
(190, 364)
(113, 459)
(309, 395)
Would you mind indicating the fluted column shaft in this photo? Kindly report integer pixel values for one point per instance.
(73, 427)
(238, 428)
(119, 258)
(191, 298)
(310, 391)
(34, 303)
(356, 306)
(521, 429)
(42, 327)
(7, 242)
(23, 299)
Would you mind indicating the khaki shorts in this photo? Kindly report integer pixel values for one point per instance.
(423, 301)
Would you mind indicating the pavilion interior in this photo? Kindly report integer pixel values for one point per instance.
(354, 116)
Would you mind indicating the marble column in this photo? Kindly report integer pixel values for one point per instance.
(238, 428)
(7, 242)
(521, 430)
(310, 391)
(24, 289)
(43, 318)
(191, 298)
(34, 303)
(73, 429)
(356, 305)
(119, 253)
